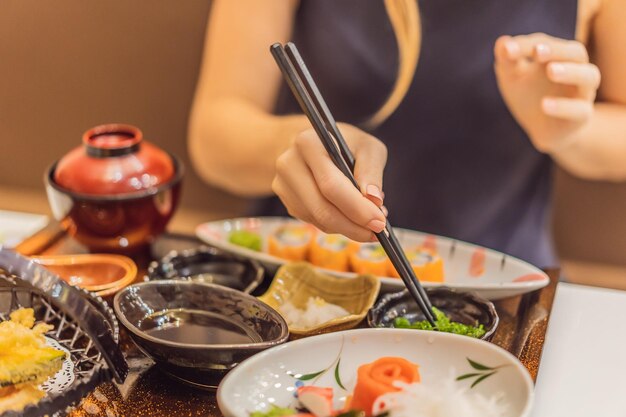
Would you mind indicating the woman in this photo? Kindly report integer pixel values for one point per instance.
(470, 143)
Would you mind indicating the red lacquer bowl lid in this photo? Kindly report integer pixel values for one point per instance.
(113, 160)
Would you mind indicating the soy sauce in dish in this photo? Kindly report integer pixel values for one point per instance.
(197, 327)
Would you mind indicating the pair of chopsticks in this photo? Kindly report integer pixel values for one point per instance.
(313, 105)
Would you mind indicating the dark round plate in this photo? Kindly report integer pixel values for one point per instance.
(208, 265)
(462, 307)
(197, 332)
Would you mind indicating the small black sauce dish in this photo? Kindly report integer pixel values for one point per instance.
(462, 307)
(208, 265)
(197, 332)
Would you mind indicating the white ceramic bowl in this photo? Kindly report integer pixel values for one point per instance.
(272, 376)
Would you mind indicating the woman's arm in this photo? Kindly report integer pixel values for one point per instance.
(234, 140)
(237, 144)
(598, 151)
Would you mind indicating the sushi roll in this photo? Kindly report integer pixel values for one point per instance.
(291, 241)
(370, 258)
(330, 251)
(426, 264)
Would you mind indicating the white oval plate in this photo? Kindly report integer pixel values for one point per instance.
(467, 267)
(272, 376)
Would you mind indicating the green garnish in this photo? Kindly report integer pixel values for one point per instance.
(274, 411)
(246, 239)
(443, 324)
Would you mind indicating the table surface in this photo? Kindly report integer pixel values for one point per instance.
(147, 391)
(583, 369)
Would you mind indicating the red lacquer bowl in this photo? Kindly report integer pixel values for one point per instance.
(117, 192)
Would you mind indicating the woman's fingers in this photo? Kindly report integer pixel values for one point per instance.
(315, 190)
(510, 58)
(540, 47)
(561, 50)
(513, 48)
(371, 158)
(506, 50)
(300, 194)
(338, 223)
(567, 108)
(582, 75)
(548, 85)
(335, 186)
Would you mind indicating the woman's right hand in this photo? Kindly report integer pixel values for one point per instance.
(314, 190)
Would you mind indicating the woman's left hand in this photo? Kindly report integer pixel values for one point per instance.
(549, 86)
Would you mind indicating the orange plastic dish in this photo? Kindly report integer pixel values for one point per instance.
(103, 274)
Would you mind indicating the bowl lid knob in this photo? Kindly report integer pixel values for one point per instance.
(112, 140)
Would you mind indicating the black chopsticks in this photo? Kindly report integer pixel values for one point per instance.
(313, 105)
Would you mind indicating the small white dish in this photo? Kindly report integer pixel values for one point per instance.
(16, 226)
(467, 267)
(332, 360)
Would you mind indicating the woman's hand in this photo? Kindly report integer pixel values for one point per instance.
(316, 191)
(549, 86)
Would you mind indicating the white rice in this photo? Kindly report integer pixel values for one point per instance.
(447, 399)
(317, 311)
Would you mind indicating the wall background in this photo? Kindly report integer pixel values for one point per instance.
(68, 65)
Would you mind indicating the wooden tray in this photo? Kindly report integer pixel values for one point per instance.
(149, 392)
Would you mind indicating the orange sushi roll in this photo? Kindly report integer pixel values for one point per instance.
(369, 258)
(291, 241)
(330, 251)
(426, 264)
(353, 247)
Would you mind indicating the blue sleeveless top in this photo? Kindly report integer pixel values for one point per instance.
(459, 165)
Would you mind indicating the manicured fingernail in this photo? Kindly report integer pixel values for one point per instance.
(373, 238)
(373, 191)
(384, 210)
(557, 69)
(512, 48)
(542, 50)
(549, 105)
(376, 226)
